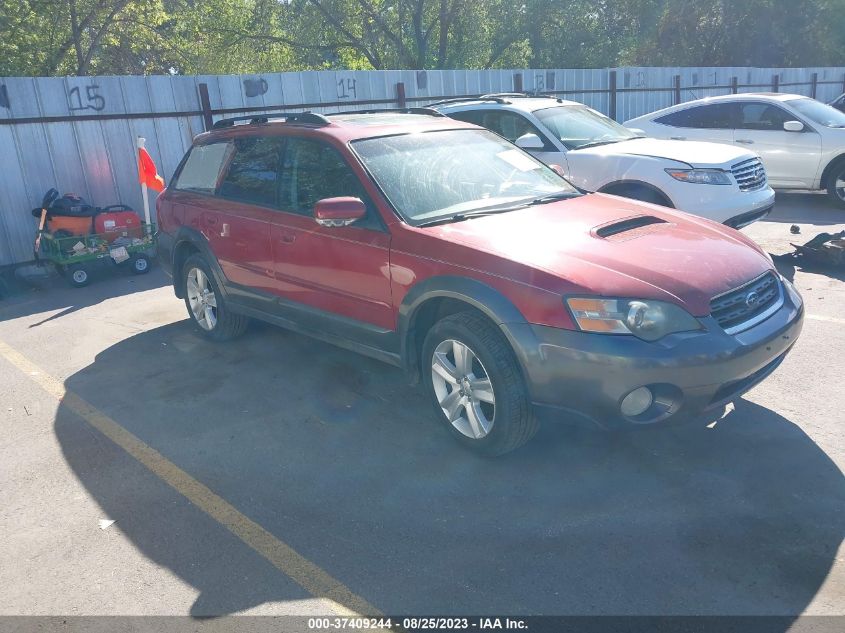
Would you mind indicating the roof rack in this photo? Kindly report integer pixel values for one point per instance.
(521, 95)
(425, 110)
(309, 118)
(494, 98)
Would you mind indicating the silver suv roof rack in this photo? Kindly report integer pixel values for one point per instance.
(494, 98)
(306, 118)
(425, 110)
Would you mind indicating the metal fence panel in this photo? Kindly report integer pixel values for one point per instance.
(78, 133)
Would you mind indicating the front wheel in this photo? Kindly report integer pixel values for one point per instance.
(836, 186)
(78, 275)
(206, 306)
(475, 384)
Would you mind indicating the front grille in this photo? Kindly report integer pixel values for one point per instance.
(742, 307)
(750, 174)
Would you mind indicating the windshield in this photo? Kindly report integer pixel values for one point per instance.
(819, 112)
(437, 175)
(579, 126)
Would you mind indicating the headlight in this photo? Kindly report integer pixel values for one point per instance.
(647, 319)
(700, 176)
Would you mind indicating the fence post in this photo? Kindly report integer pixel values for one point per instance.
(776, 83)
(400, 94)
(517, 82)
(734, 86)
(205, 104)
(612, 104)
(677, 82)
(814, 84)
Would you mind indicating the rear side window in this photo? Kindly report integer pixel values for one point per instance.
(253, 171)
(201, 169)
(718, 116)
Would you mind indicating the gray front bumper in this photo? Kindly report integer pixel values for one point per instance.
(589, 374)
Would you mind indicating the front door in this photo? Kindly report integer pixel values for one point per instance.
(340, 270)
(791, 158)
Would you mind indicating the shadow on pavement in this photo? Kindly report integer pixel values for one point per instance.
(338, 458)
(806, 208)
(56, 294)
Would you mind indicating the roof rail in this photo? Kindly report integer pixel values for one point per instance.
(425, 110)
(520, 95)
(309, 118)
(494, 98)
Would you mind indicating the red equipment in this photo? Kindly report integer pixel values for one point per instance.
(117, 221)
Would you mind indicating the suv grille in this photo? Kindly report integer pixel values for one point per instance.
(750, 174)
(742, 307)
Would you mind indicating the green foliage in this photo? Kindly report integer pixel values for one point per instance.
(56, 37)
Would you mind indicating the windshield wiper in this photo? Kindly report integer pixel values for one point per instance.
(458, 217)
(553, 197)
(597, 143)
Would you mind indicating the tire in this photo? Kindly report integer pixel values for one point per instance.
(485, 427)
(642, 194)
(78, 275)
(209, 312)
(836, 184)
(140, 264)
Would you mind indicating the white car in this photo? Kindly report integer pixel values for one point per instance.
(595, 153)
(801, 140)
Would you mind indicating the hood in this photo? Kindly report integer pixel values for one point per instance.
(694, 153)
(614, 247)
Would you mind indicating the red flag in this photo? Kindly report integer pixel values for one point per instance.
(147, 172)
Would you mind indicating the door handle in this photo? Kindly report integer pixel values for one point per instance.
(745, 141)
(678, 138)
(288, 238)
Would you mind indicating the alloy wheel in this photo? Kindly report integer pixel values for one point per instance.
(202, 299)
(463, 389)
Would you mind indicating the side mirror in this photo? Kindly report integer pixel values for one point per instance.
(557, 169)
(339, 211)
(640, 133)
(793, 126)
(530, 141)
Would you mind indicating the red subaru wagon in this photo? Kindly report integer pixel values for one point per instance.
(441, 248)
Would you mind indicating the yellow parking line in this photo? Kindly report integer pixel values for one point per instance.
(818, 317)
(309, 576)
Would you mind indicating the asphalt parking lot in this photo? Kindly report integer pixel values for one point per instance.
(278, 475)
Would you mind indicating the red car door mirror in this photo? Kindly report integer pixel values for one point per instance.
(339, 211)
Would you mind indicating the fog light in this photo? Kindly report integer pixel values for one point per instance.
(636, 402)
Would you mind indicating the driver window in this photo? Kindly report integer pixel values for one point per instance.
(312, 171)
(509, 125)
(761, 116)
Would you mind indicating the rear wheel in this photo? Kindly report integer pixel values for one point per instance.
(475, 384)
(140, 264)
(206, 306)
(836, 184)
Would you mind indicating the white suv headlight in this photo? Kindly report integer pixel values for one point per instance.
(701, 176)
(646, 319)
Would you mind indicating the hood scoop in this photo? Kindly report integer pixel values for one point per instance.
(629, 228)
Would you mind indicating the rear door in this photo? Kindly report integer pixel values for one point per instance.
(339, 270)
(712, 122)
(238, 220)
(791, 158)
